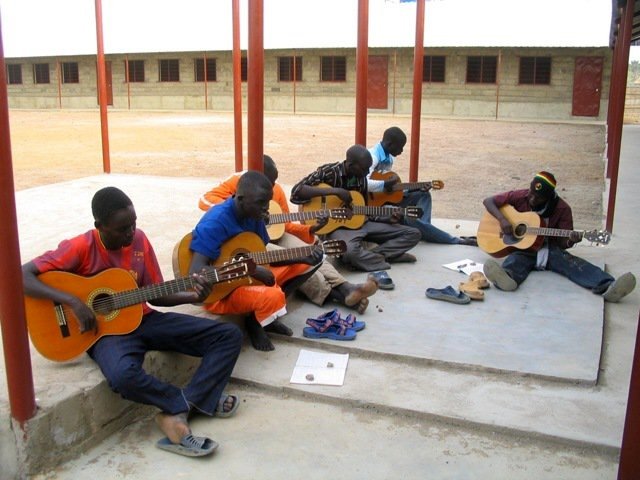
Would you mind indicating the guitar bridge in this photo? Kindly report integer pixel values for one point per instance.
(62, 320)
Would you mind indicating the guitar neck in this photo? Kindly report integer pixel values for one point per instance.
(552, 232)
(274, 256)
(376, 211)
(294, 216)
(151, 292)
(411, 186)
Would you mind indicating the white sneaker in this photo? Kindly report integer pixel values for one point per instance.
(621, 287)
(498, 276)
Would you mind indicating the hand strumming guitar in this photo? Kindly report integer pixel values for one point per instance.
(84, 315)
(390, 181)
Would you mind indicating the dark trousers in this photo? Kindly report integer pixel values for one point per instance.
(120, 358)
(393, 240)
(519, 264)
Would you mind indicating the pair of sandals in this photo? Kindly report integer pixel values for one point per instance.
(475, 285)
(332, 326)
(194, 446)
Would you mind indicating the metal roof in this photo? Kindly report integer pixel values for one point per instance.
(34, 28)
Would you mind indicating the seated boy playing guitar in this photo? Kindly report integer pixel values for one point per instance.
(117, 243)
(383, 155)
(542, 198)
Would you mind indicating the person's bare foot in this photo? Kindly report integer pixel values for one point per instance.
(257, 335)
(362, 306)
(278, 327)
(355, 294)
(175, 427)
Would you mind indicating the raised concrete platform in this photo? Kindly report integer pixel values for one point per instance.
(475, 365)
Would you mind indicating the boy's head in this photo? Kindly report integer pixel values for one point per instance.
(393, 141)
(542, 189)
(358, 161)
(254, 192)
(114, 217)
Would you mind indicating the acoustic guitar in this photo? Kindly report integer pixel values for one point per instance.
(358, 207)
(114, 297)
(248, 245)
(528, 233)
(397, 191)
(277, 219)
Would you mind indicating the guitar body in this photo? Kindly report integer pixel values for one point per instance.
(55, 332)
(275, 230)
(240, 245)
(377, 199)
(495, 243)
(330, 202)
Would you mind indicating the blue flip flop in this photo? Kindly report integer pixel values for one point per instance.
(189, 446)
(448, 294)
(383, 280)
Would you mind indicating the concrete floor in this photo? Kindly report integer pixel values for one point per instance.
(512, 387)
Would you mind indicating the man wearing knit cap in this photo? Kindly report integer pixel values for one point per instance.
(541, 197)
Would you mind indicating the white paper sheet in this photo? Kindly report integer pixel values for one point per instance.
(326, 368)
(465, 266)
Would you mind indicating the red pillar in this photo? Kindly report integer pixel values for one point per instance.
(621, 66)
(237, 85)
(416, 109)
(362, 67)
(630, 450)
(12, 321)
(255, 79)
(102, 91)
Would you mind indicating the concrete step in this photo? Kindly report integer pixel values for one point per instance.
(528, 407)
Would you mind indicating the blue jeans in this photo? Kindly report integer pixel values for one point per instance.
(429, 232)
(519, 264)
(120, 358)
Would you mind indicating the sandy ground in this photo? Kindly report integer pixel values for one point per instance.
(474, 158)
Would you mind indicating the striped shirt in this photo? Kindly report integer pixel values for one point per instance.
(334, 175)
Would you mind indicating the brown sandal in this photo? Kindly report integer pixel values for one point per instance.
(472, 290)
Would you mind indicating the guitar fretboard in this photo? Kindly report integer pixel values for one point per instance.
(552, 232)
(151, 292)
(294, 216)
(274, 256)
(377, 211)
(411, 186)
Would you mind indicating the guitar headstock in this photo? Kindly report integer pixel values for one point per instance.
(334, 248)
(340, 213)
(236, 269)
(600, 237)
(413, 212)
(437, 184)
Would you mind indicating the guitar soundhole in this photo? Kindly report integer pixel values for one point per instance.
(102, 304)
(520, 230)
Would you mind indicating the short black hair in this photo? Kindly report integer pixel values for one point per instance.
(253, 180)
(395, 135)
(270, 169)
(108, 200)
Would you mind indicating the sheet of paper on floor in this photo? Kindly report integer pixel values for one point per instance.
(320, 368)
(465, 266)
